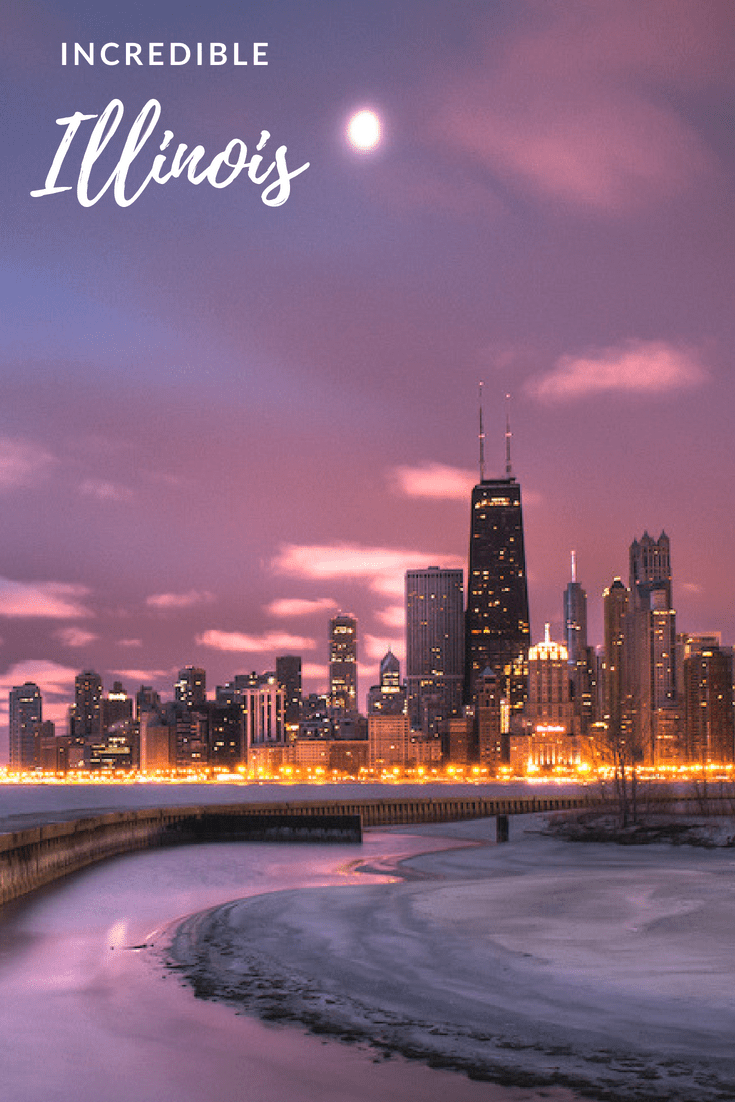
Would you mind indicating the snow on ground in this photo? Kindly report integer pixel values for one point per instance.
(602, 968)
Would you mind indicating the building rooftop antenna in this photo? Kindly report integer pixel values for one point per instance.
(508, 434)
(574, 566)
(482, 440)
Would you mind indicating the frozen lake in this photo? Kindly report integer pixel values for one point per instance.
(87, 1017)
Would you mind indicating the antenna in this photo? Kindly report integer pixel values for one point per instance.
(482, 441)
(574, 566)
(508, 434)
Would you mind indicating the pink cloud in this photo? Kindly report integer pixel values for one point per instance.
(394, 616)
(269, 641)
(299, 606)
(106, 491)
(130, 642)
(435, 480)
(75, 637)
(22, 463)
(636, 367)
(594, 123)
(54, 600)
(314, 672)
(145, 677)
(179, 600)
(382, 568)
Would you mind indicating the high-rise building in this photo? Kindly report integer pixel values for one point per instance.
(25, 720)
(434, 646)
(388, 697)
(582, 665)
(343, 662)
(497, 629)
(288, 676)
(708, 703)
(117, 707)
(191, 687)
(651, 642)
(86, 725)
(614, 688)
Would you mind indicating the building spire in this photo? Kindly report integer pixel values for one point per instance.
(482, 441)
(508, 464)
(574, 566)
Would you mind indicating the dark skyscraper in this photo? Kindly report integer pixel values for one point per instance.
(87, 710)
(580, 657)
(343, 663)
(24, 720)
(434, 646)
(651, 642)
(191, 686)
(288, 676)
(497, 629)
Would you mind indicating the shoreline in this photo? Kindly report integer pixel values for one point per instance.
(436, 966)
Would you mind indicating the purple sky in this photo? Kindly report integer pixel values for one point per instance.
(221, 421)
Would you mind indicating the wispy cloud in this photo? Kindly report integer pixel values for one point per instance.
(269, 641)
(76, 637)
(434, 480)
(604, 132)
(167, 601)
(106, 491)
(382, 568)
(53, 600)
(300, 606)
(130, 642)
(145, 677)
(634, 367)
(22, 463)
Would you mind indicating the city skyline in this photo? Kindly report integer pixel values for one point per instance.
(224, 423)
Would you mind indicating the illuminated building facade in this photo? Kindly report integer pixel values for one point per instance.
(651, 643)
(389, 696)
(497, 632)
(434, 646)
(86, 713)
(388, 741)
(343, 663)
(708, 705)
(191, 686)
(24, 720)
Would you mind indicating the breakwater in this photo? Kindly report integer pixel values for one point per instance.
(37, 856)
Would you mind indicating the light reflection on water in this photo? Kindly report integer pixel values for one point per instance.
(84, 1018)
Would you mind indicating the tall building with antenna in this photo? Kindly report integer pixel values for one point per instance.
(497, 628)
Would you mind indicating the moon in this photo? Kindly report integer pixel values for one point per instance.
(364, 131)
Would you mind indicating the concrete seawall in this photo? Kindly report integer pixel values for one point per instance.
(31, 858)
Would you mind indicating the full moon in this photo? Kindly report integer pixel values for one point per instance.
(364, 130)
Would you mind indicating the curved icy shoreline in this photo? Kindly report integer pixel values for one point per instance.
(536, 963)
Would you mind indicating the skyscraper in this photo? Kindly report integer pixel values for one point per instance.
(615, 610)
(651, 641)
(87, 710)
(434, 646)
(288, 676)
(24, 721)
(581, 658)
(497, 629)
(343, 662)
(191, 686)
